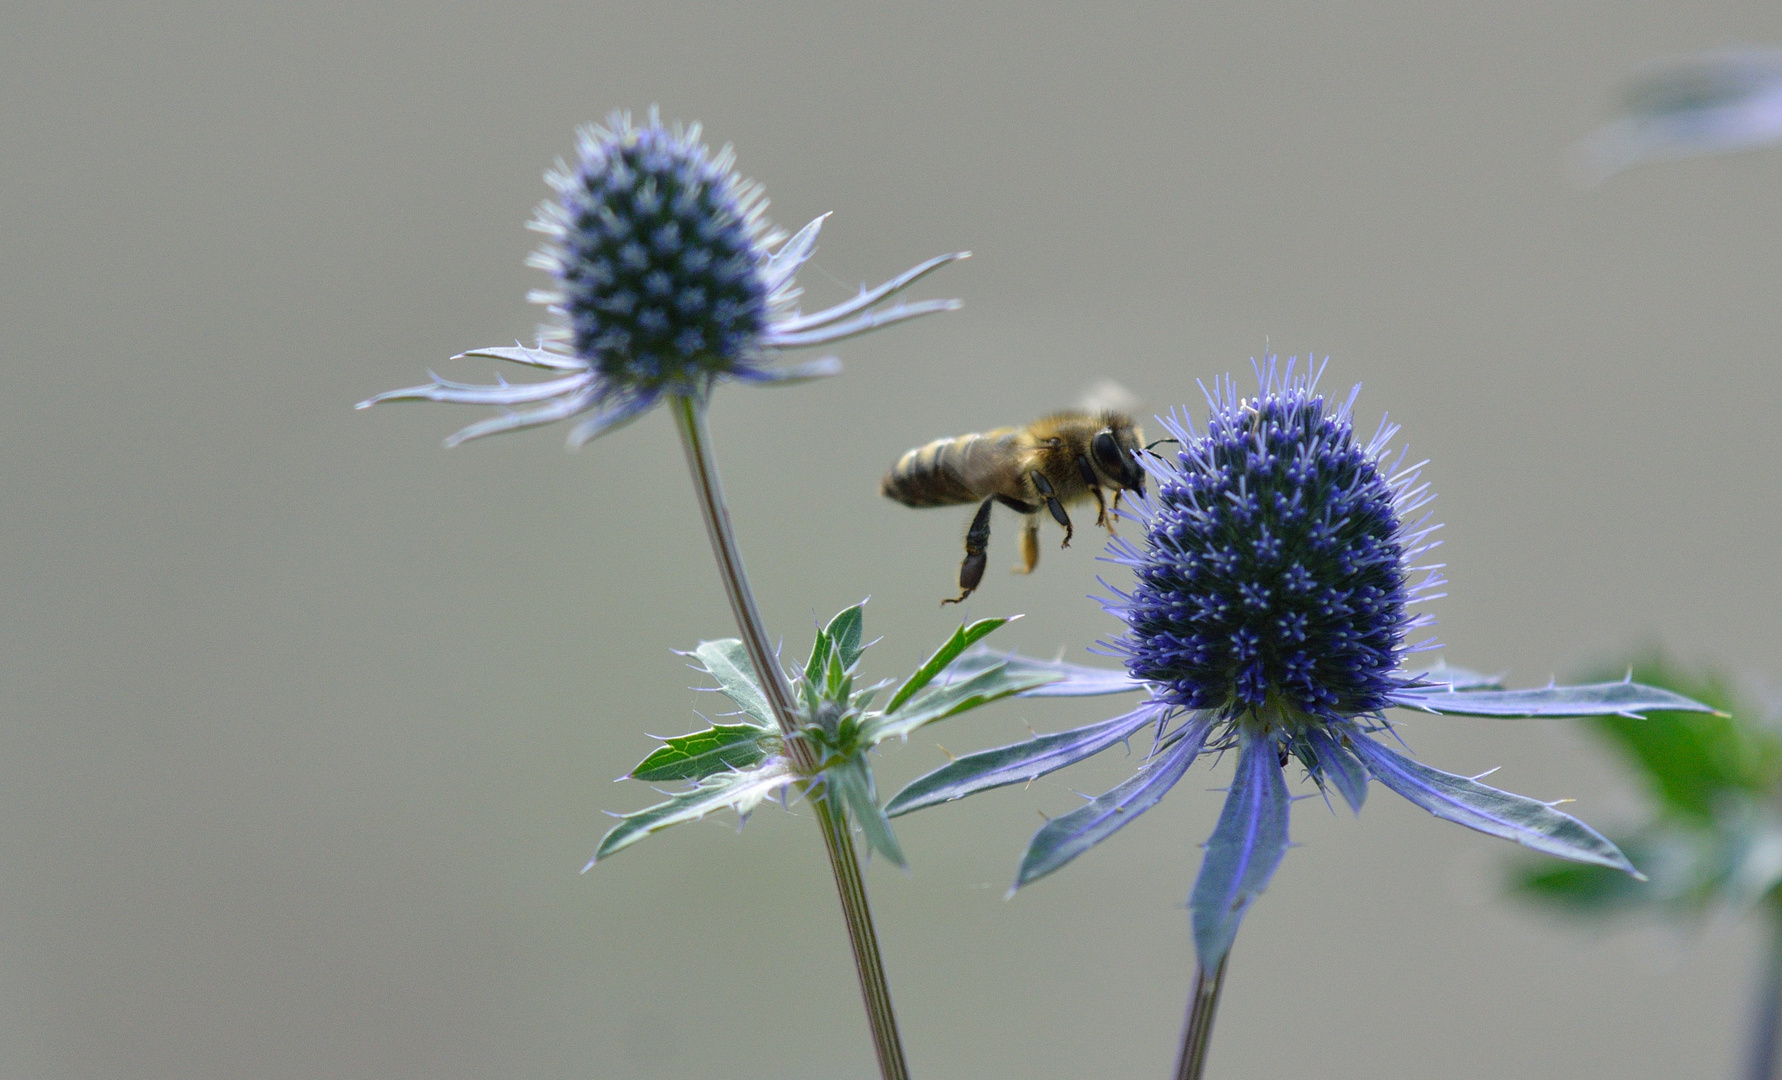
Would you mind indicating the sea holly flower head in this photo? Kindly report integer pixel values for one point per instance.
(1270, 615)
(667, 279)
(1279, 560)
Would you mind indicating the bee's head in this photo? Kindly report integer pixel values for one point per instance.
(1114, 448)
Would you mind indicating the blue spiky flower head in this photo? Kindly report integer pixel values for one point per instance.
(658, 248)
(668, 278)
(1270, 615)
(1279, 558)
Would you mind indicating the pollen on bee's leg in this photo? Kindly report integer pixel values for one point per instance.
(1030, 550)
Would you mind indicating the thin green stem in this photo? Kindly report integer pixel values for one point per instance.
(1765, 1061)
(844, 863)
(1197, 1028)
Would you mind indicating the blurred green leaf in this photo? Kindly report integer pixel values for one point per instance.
(1714, 841)
(1579, 888)
(1691, 761)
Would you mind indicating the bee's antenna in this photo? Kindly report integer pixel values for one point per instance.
(1155, 442)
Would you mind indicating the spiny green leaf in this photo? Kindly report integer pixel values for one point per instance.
(719, 748)
(838, 685)
(740, 791)
(844, 632)
(813, 668)
(728, 662)
(940, 702)
(851, 782)
(962, 638)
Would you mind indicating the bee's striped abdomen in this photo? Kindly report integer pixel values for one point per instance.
(947, 472)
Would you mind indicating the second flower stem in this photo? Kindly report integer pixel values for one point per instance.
(1197, 1028)
(844, 862)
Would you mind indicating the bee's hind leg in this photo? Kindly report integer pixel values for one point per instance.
(1029, 533)
(1044, 487)
(1029, 547)
(977, 542)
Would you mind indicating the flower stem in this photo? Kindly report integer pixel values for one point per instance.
(1197, 1028)
(1766, 1035)
(689, 419)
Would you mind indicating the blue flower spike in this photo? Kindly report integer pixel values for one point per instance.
(668, 280)
(1271, 613)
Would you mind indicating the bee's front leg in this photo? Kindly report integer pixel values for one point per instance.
(977, 542)
(1044, 487)
(1094, 486)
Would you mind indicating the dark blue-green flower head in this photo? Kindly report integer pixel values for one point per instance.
(667, 279)
(1278, 560)
(658, 248)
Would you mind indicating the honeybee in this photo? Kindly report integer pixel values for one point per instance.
(1067, 457)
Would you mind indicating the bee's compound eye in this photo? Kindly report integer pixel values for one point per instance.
(1116, 462)
(1107, 453)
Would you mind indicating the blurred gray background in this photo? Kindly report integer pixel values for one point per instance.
(309, 724)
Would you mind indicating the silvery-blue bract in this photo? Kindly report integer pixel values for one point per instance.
(1712, 103)
(668, 279)
(1269, 612)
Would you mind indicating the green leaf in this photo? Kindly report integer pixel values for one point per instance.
(952, 699)
(740, 791)
(1690, 763)
(1579, 889)
(719, 748)
(844, 632)
(813, 668)
(728, 662)
(838, 685)
(962, 638)
(851, 782)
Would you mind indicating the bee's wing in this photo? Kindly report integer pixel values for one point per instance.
(1109, 396)
(990, 462)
